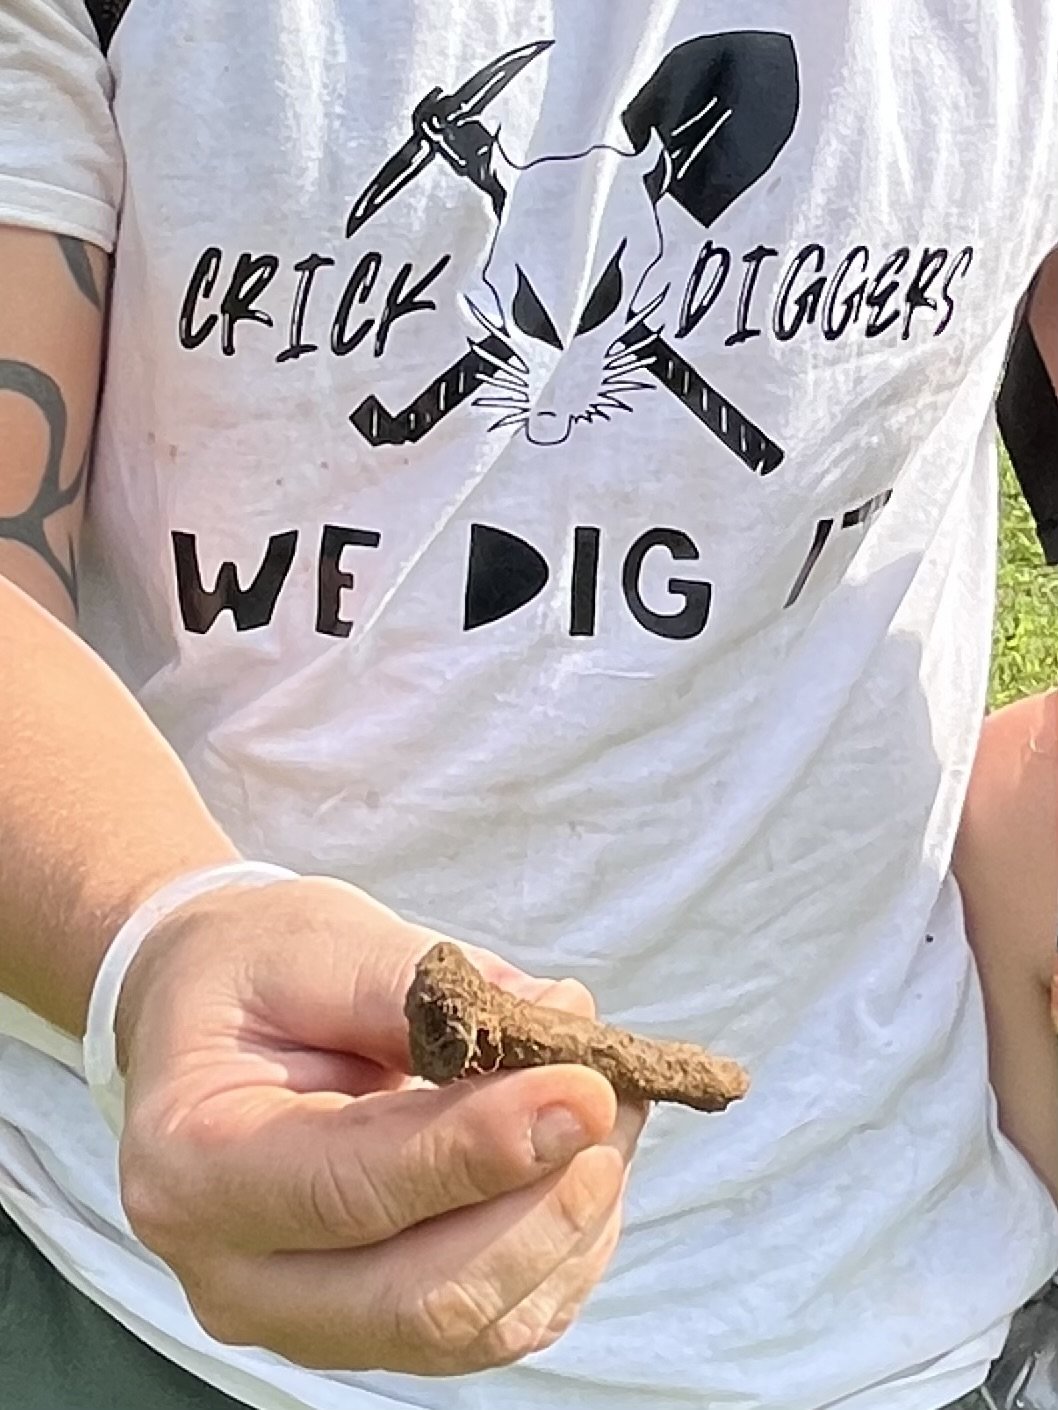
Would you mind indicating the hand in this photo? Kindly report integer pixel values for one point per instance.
(314, 1200)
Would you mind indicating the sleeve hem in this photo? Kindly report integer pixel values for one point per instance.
(62, 212)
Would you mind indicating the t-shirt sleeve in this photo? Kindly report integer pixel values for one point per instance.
(1027, 409)
(61, 166)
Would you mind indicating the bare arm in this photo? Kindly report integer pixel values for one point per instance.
(1006, 859)
(52, 295)
(1007, 865)
(95, 810)
(296, 1216)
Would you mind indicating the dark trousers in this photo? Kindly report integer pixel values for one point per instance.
(59, 1351)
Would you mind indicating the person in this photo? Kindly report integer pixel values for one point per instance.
(1006, 863)
(542, 494)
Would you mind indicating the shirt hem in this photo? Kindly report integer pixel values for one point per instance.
(276, 1385)
(37, 206)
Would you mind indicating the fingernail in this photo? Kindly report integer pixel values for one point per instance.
(558, 1136)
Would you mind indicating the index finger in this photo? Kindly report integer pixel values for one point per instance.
(270, 1169)
(351, 997)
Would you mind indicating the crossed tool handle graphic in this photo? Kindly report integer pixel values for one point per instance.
(448, 126)
(757, 451)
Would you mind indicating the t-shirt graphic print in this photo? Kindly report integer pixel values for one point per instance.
(545, 476)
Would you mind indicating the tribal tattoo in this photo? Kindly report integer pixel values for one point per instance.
(30, 526)
(79, 265)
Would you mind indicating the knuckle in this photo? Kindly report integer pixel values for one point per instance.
(556, 1330)
(511, 1340)
(445, 1322)
(219, 1314)
(147, 1206)
(221, 1321)
(547, 1314)
(474, 1168)
(458, 1332)
(476, 1157)
(161, 1183)
(140, 1201)
(354, 1203)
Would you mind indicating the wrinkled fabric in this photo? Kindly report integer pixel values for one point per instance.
(546, 477)
(1025, 1375)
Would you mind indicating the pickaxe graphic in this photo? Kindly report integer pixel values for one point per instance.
(712, 70)
(446, 125)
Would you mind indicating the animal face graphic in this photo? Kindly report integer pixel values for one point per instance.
(565, 343)
(561, 323)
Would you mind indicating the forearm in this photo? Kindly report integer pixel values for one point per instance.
(95, 812)
(1007, 866)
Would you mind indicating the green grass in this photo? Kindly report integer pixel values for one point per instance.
(1025, 657)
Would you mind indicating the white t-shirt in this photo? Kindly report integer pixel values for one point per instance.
(546, 477)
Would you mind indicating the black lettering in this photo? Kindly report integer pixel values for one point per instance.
(695, 303)
(852, 305)
(691, 620)
(585, 586)
(503, 574)
(753, 261)
(201, 286)
(880, 293)
(306, 269)
(929, 266)
(251, 607)
(358, 289)
(252, 276)
(863, 514)
(867, 512)
(963, 260)
(333, 581)
(400, 303)
(819, 542)
(806, 302)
